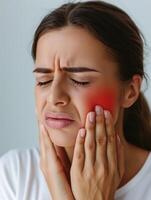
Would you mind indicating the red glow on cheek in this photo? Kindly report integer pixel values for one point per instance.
(106, 98)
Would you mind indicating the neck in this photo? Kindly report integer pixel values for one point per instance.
(69, 152)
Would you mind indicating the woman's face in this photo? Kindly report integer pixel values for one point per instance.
(73, 48)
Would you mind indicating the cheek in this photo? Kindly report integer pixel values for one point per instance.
(40, 100)
(106, 98)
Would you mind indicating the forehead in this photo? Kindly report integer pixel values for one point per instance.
(71, 45)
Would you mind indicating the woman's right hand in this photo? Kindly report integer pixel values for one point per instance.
(53, 169)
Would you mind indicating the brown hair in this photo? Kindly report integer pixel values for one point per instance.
(121, 36)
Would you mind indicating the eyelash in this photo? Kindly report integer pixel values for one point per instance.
(74, 81)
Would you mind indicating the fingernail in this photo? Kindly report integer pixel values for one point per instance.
(98, 110)
(82, 132)
(106, 113)
(92, 117)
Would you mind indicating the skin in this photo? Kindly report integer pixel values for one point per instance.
(97, 166)
(58, 49)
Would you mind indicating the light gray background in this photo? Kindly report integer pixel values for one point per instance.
(18, 21)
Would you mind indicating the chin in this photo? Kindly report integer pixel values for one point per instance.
(62, 138)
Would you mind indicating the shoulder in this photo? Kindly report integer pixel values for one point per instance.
(19, 155)
(16, 167)
(12, 161)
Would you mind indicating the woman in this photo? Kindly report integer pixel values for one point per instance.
(94, 122)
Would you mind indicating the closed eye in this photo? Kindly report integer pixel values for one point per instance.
(80, 83)
(43, 83)
(74, 81)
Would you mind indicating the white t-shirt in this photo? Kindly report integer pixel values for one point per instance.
(22, 179)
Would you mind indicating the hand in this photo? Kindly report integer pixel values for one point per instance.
(98, 160)
(55, 167)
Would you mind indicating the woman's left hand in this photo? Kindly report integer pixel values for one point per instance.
(98, 160)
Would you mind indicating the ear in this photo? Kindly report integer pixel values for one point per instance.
(131, 91)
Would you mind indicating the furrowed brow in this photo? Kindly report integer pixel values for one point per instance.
(67, 69)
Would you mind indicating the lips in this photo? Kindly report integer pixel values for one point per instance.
(58, 116)
(58, 120)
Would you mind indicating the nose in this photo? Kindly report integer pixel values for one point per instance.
(58, 94)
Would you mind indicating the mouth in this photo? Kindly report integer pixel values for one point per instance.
(58, 123)
(58, 120)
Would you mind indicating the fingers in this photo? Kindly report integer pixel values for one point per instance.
(48, 152)
(101, 139)
(79, 153)
(52, 168)
(121, 157)
(99, 146)
(41, 142)
(111, 142)
(84, 151)
(90, 141)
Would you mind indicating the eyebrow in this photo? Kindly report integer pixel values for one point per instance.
(68, 69)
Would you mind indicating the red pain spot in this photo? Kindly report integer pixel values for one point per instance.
(106, 98)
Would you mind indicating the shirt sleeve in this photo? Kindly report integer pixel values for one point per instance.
(8, 176)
